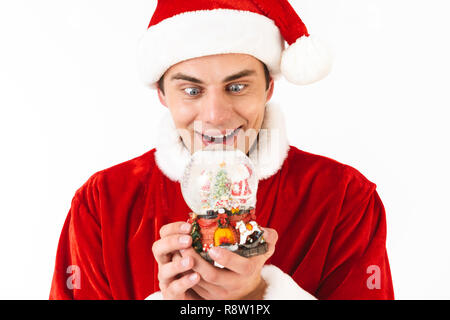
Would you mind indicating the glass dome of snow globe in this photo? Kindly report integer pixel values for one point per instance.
(218, 180)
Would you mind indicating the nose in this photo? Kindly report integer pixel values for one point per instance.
(216, 110)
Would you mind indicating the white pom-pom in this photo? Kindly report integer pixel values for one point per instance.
(305, 61)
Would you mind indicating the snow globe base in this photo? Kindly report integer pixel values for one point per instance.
(261, 248)
(236, 231)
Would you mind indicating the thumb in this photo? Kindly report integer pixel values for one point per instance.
(271, 237)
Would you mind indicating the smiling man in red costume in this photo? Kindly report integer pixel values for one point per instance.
(213, 64)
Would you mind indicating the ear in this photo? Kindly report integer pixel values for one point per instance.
(270, 90)
(161, 97)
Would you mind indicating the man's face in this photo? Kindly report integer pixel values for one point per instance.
(217, 100)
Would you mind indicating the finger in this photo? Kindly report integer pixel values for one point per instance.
(192, 295)
(208, 271)
(174, 228)
(232, 261)
(176, 258)
(210, 291)
(177, 288)
(271, 237)
(164, 248)
(168, 271)
(204, 293)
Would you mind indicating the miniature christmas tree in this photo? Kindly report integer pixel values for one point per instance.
(221, 192)
(221, 185)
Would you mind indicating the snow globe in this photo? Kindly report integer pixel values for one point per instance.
(220, 188)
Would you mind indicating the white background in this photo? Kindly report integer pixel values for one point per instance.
(71, 104)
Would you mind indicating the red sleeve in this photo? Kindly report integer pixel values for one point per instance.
(357, 265)
(79, 270)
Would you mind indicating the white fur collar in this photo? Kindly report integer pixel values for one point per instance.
(268, 153)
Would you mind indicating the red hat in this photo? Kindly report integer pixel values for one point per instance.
(180, 30)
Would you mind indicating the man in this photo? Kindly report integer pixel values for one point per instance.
(125, 236)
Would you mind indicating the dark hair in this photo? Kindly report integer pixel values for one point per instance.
(266, 75)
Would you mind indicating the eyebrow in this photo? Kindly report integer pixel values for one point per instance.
(243, 73)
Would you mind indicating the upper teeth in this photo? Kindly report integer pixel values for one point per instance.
(220, 137)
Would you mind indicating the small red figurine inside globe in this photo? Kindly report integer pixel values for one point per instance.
(220, 188)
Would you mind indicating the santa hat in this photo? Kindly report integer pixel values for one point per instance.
(180, 30)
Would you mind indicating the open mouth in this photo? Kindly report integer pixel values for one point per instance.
(222, 139)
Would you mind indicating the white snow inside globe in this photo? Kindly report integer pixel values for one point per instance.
(215, 180)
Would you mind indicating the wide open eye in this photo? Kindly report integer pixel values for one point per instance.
(192, 91)
(237, 87)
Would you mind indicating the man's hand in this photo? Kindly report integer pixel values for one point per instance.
(241, 277)
(175, 275)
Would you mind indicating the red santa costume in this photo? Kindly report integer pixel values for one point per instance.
(330, 220)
